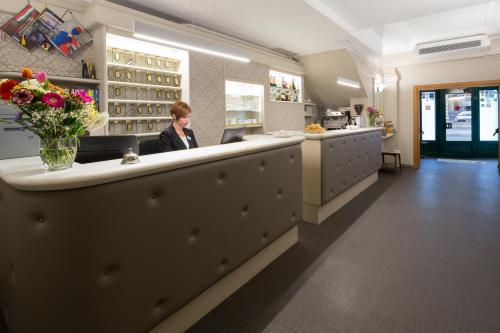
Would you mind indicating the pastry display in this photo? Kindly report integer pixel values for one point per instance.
(314, 129)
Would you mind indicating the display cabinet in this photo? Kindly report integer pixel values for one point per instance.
(284, 87)
(244, 104)
(141, 88)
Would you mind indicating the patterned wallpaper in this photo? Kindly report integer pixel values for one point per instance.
(13, 57)
(207, 91)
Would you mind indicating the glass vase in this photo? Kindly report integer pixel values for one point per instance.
(371, 121)
(58, 153)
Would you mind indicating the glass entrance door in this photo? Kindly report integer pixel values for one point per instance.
(428, 123)
(460, 123)
(456, 117)
(487, 145)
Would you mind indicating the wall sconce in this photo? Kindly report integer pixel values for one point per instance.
(379, 87)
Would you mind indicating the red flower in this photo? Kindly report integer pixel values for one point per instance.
(53, 100)
(22, 97)
(6, 89)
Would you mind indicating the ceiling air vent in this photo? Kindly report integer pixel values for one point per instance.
(458, 45)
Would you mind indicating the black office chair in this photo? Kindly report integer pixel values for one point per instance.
(149, 145)
(103, 148)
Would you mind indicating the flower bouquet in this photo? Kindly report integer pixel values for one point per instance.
(56, 116)
(373, 113)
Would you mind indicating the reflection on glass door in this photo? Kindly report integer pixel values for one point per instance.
(428, 115)
(458, 113)
(488, 114)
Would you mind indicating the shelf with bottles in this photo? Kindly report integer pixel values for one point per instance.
(284, 87)
(137, 127)
(286, 95)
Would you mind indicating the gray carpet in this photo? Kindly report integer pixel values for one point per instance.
(417, 252)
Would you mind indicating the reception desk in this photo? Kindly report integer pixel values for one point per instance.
(337, 166)
(105, 247)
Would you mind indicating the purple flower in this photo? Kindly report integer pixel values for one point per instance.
(371, 109)
(18, 116)
(22, 97)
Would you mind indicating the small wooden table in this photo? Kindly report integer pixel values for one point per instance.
(396, 153)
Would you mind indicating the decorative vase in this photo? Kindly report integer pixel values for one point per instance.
(371, 121)
(58, 153)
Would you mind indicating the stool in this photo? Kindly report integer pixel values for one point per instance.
(396, 153)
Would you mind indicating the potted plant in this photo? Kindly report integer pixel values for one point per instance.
(57, 117)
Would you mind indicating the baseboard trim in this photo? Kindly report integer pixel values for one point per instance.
(196, 309)
(318, 214)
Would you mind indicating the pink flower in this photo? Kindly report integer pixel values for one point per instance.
(22, 97)
(53, 100)
(41, 76)
(371, 109)
(83, 95)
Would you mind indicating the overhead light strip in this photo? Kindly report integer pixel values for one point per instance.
(184, 41)
(348, 83)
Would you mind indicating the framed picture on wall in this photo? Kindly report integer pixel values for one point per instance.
(69, 36)
(47, 22)
(20, 27)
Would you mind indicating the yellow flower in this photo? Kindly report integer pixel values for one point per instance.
(27, 73)
(57, 89)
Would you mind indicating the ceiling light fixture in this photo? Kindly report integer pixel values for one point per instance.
(185, 41)
(348, 83)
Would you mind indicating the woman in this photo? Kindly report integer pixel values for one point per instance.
(177, 136)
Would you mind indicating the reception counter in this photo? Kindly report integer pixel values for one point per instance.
(105, 247)
(337, 166)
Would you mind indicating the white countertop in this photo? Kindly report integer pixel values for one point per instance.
(333, 133)
(29, 174)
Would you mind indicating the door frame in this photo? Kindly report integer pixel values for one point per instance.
(438, 86)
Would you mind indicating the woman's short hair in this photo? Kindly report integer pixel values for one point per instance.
(180, 109)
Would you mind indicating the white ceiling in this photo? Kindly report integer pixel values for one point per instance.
(371, 28)
(364, 14)
(288, 24)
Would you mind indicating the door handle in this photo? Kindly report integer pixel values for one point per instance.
(421, 132)
(496, 132)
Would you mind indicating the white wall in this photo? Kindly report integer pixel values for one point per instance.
(398, 97)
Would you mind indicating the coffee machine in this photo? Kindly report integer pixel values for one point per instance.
(335, 119)
(357, 120)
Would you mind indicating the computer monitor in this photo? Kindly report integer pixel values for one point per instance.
(233, 135)
(103, 148)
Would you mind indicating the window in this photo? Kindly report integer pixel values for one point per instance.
(244, 104)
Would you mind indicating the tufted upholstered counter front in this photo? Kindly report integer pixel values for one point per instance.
(338, 165)
(122, 254)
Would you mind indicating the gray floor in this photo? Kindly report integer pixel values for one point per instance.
(418, 252)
